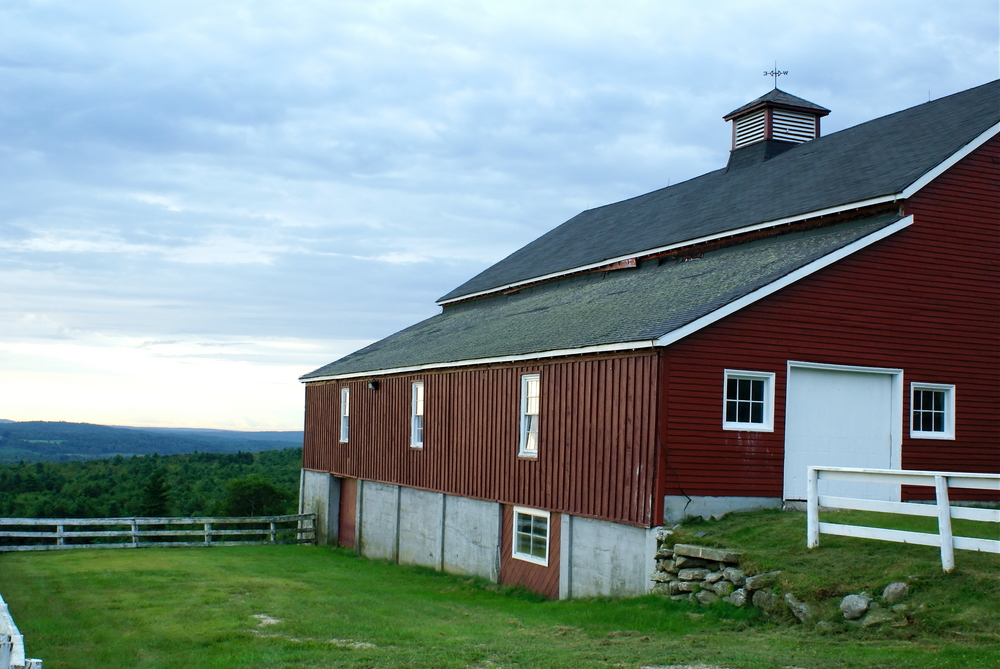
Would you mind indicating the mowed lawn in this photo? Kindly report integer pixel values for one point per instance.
(304, 606)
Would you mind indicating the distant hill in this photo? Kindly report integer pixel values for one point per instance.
(34, 441)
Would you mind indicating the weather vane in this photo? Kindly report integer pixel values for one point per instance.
(775, 73)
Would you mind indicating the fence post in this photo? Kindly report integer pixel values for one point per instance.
(274, 533)
(812, 508)
(944, 523)
(6, 648)
(32, 664)
(135, 533)
(60, 532)
(208, 534)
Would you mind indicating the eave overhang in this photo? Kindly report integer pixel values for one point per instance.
(662, 341)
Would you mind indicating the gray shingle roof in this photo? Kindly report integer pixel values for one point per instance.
(874, 159)
(779, 97)
(631, 305)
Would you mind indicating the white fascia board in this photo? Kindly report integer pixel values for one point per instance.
(540, 355)
(671, 247)
(784, 281)
(939, 169)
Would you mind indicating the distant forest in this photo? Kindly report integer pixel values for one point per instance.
(194, 484)
(33, 441)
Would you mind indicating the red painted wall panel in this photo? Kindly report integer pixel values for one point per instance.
(534, 577)
(597, 438)
(926, 300)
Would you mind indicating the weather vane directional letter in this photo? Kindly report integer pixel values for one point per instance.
(775, 73)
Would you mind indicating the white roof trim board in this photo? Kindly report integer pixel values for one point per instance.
(666, 339)
(906, 193)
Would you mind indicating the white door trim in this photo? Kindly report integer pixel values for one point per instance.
(896, 420)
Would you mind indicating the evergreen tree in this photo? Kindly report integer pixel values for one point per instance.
(254, 496)
(155, 495)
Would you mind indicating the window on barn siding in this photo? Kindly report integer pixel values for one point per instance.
(417, 415)
(749, 401)
(530, 388)
(531, 535)
(932, 411)
(345, 413)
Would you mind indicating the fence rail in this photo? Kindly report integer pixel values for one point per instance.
(942, 508)
(142, 532)
(12, 643)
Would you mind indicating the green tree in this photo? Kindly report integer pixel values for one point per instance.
(254, 496)
(155, 495)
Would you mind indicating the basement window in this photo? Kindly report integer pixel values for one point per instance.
(748, 401)
(531, 535)
(345, 413)
(417, 414)
(932, 411)
(530, 386)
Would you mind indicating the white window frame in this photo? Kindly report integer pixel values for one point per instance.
(949, 410)
(417, 414)
(345, 414)
(767, 425)
(524, 449)
(528, 557)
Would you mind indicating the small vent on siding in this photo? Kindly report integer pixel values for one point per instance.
(793, 126)
(751, 128)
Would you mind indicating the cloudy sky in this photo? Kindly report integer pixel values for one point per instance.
(201, 201)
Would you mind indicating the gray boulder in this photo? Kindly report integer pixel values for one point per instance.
(895, 593)
(854, 606)
(692, 574)
(706, 597)
(735, 576)
(761, 581)
(798, 608)
(739, 597)
(721, 588)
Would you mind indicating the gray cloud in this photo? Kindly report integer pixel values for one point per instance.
(326, 170)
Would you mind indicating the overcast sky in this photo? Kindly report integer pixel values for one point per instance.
(202, 201)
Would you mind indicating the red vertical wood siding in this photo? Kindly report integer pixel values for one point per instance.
(926, 300)
(347, 523)
(534, 577)
(597, 438)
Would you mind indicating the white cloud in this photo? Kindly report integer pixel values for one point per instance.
(252, 171)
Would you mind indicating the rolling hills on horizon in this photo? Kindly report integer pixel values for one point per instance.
(50, 441)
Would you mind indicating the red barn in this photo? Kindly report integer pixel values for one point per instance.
(824, 300)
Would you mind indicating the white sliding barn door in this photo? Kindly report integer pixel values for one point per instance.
(838, 417)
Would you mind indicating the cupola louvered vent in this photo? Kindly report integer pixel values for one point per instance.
(793, 126)
(775, 117)
(751, 128)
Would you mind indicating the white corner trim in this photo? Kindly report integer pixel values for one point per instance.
(784, 281)
(671, 247)
(939, 169)
(540, 355)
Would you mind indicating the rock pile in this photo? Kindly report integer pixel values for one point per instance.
(687, 572)
(869, 612)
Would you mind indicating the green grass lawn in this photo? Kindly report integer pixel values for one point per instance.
(303, 606)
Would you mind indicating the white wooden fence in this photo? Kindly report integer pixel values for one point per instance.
(46, 534)
(942, 509)
(12, 643)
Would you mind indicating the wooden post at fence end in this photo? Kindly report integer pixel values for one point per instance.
(944, 524)
(812, 508)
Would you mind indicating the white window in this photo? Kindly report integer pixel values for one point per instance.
(748, 401)
(417, 414)
(531, 535)
(529, 416)
(345, 413)
(932, 411)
